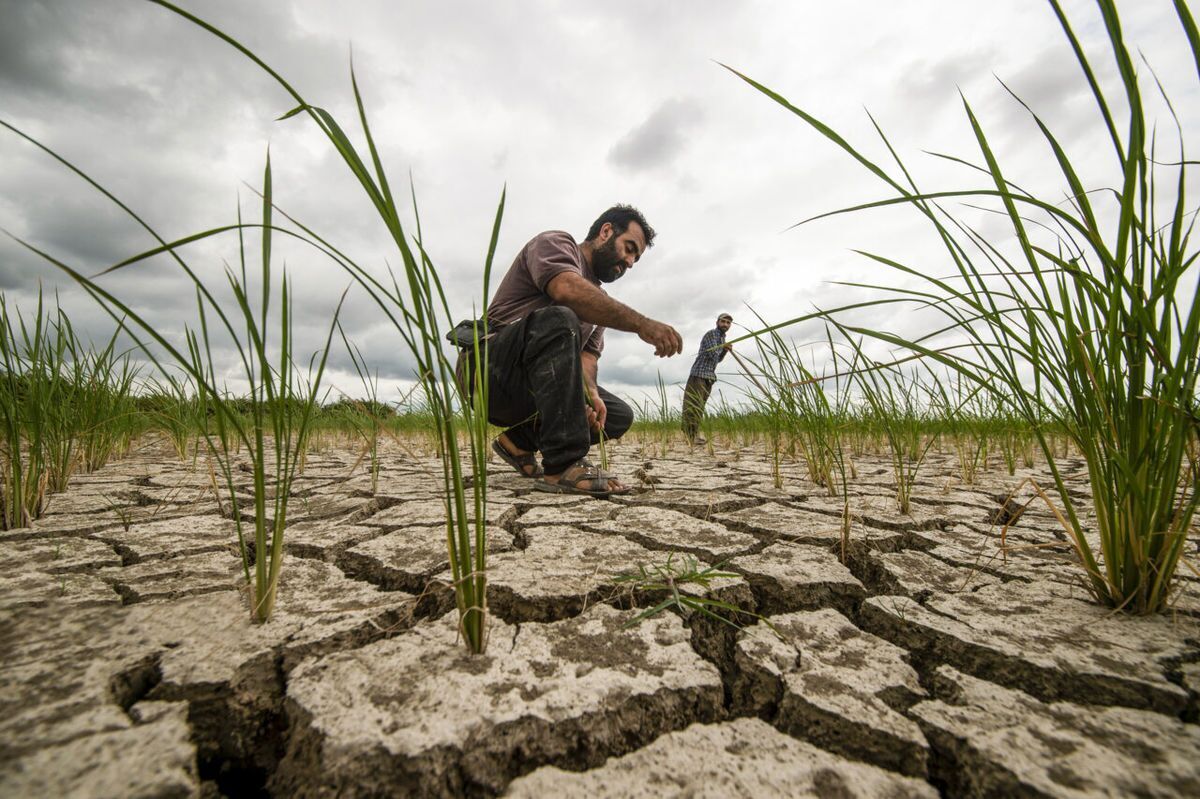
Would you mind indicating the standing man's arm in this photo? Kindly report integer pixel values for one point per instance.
(711, 341)
(725, 348)
(592, 305)
(596, 410)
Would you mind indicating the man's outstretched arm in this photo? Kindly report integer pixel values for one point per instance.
(593, 305)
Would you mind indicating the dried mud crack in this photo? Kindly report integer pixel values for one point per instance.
(939, 658)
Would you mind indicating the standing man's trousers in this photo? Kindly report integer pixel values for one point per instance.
(695, 397)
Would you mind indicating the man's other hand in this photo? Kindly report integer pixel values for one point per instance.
(664, 338)
(597, 412)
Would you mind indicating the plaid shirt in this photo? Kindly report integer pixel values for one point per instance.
(711, 353)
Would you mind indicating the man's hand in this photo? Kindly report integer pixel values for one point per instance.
(727, 347)
(597, 412)
(665, 339)
(593, 407)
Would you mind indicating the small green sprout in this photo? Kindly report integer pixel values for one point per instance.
(669, 577)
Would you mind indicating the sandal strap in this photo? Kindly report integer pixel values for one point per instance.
(518, 462)
(586, 471)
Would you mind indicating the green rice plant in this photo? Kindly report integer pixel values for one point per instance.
(656, 419)
(30, 359)
(88, 405)
(895, 406)
(725, 419)
(174, 404)
(667, 417)
(789, 389)
(121, 509)
(272, 435)
(102, 412)
(1089, 318)
(365, 417)
(771, 407)
(51, 392)
(416, 305)
(671, 578)
(587, 398)
(64, 406)
(965, 421)
(666, 414)
(1010, 443)
(274, 392)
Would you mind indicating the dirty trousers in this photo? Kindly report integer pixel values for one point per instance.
(535, 389)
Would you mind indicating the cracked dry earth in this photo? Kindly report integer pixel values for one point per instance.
(929, 663)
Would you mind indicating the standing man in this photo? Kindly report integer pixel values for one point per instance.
(542, 365)
(704, 373)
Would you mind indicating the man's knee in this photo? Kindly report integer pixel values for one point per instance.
(552, 340)
(555, 318)
(552, 332)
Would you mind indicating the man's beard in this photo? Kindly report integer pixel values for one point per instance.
(607, 265)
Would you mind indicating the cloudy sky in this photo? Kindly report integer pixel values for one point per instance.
(571, 106)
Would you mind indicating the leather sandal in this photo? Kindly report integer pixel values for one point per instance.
(518, 462)
(582, 472)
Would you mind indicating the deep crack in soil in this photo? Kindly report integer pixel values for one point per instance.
(369, 575)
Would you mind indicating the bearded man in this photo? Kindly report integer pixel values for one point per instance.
(543, 363)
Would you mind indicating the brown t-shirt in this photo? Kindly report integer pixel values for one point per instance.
(523, 289)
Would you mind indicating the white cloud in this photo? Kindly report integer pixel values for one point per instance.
(571, 106)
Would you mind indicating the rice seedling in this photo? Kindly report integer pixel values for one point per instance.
(587, 398)
(175, 406)
(365, 416)
(772, 407)
(279, 405)
(63, 407)
(813, 423)
(101, 409)
(656, 422)
(1085, 316)
(896, 406)
(273, 391)
(966, 421)
(416, 306)
(793, 399)
(1010, 443)
(27, 354)
(670, 577)
(119, 508)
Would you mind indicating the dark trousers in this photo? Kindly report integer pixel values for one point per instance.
(535, 389)
(695, 397)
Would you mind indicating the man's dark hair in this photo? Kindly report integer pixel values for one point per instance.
(619, 216)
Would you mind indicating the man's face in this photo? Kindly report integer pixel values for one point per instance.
(724, 322)
(615, 255)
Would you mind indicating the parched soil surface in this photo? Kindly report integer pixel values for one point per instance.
(952, 650)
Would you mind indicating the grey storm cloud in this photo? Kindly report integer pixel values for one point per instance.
(661, 138)
(176, 123)
(933, 83)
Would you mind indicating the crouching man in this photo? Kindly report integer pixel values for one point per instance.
(543, 363)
